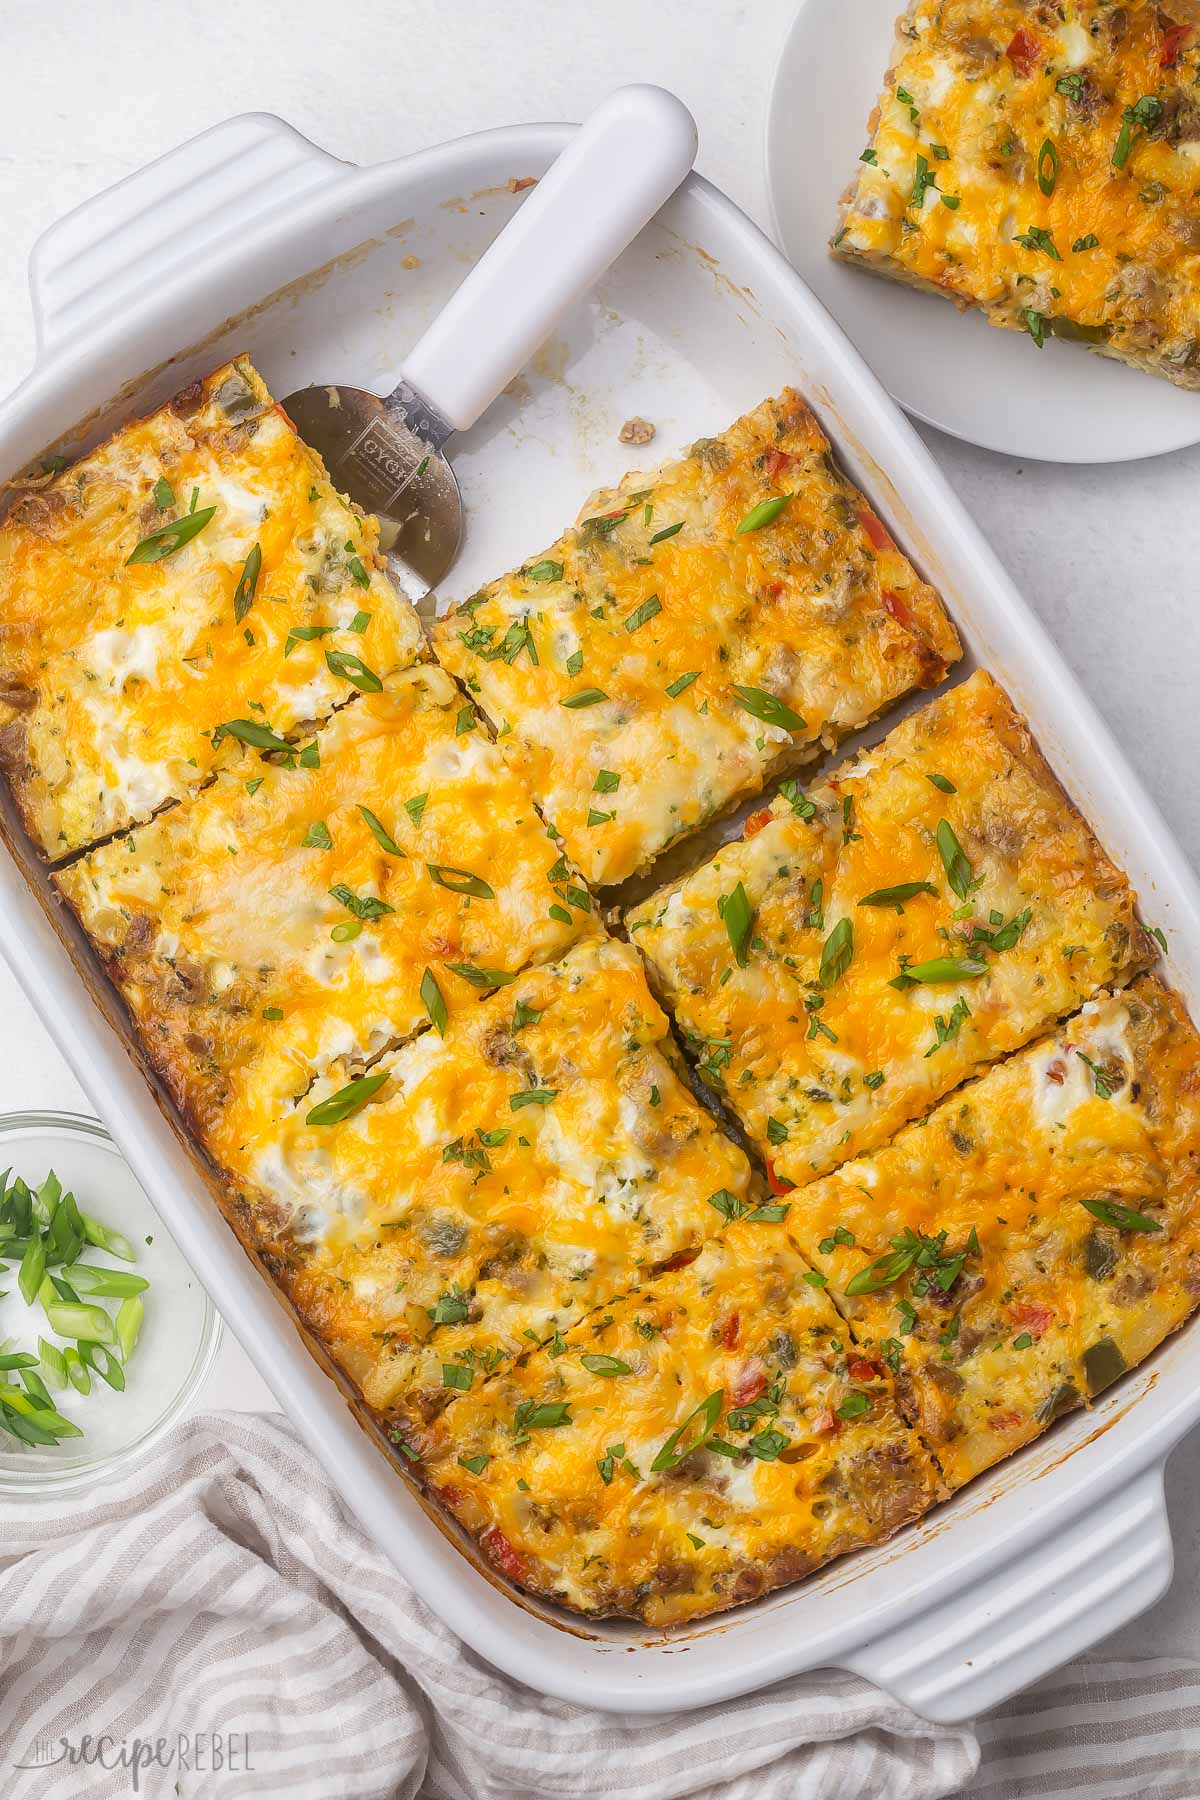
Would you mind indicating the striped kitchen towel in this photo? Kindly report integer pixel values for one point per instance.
(214, 1623)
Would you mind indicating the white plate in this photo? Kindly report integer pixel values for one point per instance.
(993, 388)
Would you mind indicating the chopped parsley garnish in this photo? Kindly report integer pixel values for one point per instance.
(474, 1465)
(610, 1366)
(854, 1406)
(945, 1029)
(451, 1308)
(837, 953)
(954, 861)
(1047, 167)
(768, 708)
(540, 1415)
(354, 670)
(912, 1250)
(432, 1001)
(1146, 113)
(1038, 238)
(304, 634)
(317, 837)
(546, 570)
(481, 978)
(456, 1375)
(363, 906)
(689, 1437)
(898, 895)
(415, 807)
(536, 1096)
(380, 833)
(765, 513)
(736, 911)
(169, 538)
(1087, 242)
(793, 793)
(464, 720)
(606, 782)
(347, 1101)
(1022, 1341)
(777, 1132)
(1121, 1218)
(869, 156)
(925, 179)
(460, 881)
(574, 662)
(1103, 1087)
(249, 731)
(644, 613)
(524, 1015)
(164, 493)
(1071, 85)
(875, 1079)
(243, 593)
(1035, 324)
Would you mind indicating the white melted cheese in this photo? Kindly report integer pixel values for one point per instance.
(119, 654)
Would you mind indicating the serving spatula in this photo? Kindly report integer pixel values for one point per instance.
(387, 452)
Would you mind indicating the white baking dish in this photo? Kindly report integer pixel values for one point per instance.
(698, 320)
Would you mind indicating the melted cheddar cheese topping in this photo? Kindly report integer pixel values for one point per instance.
(1032, 1238)
(708, 1437)
(699, 627)
(1043, 164)
(117, 674)
(505, 1179)
(949, 849)
(293, 915)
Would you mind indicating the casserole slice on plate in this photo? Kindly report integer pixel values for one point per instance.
(1039, 163)
(710, 1436)
(192, 584)
(1039, 1233)
(700, 628)
(932, 905)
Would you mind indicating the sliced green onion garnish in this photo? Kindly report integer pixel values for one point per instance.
(81, 1321)
(130, 1314)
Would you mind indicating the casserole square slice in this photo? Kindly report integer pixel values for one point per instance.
(300, 912)
(1039, 163)
(196, 572)
(1035, 1236)
(709, 1437)
(700, 628)
(501, 1181)
(932, 905)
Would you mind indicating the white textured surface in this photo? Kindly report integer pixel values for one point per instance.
(1107, 556)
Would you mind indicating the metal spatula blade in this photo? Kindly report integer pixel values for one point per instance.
(387, 457)
(386, 453)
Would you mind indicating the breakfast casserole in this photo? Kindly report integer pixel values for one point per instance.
(1042, 163)
(931, 906)
(700, 628)
(1011, 1255)
(484, 1188)
(708, 1437)
(326, 905)
(356, 926)
(193, 582)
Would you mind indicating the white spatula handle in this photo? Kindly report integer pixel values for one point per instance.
(626, 160)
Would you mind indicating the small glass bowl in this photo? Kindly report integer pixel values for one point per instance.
(180, 1331)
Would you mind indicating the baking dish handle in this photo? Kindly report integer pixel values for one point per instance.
(169, 218)
(968, 1652)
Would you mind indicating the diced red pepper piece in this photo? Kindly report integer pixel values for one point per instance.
(1175, 37)
(861, 1370)
(776, 462)
(1025, 52)
(729, 1334)
(1035, 1319)
(749, 1382)
(510, 1562)
(827, 1422)
(875, 529)
(898, 608)
(283, 415)
(778, 1183)
(755, 823)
